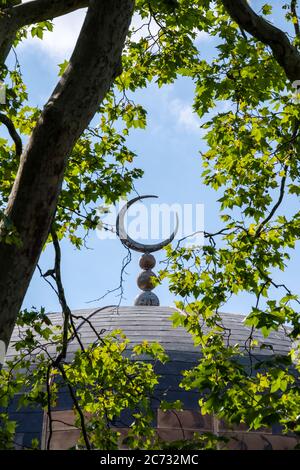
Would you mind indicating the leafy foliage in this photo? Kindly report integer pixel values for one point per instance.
(251, 120)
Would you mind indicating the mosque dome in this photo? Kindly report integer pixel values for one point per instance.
(153, 323)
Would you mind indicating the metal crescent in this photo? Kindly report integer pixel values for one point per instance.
(132, 244)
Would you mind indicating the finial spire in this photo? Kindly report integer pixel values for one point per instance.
(147, 260)
(144, 281)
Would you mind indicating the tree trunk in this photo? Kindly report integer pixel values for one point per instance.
(94, 64)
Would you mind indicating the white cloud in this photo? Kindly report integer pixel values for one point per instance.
(59, 44)
(184, 114)
(203, 36)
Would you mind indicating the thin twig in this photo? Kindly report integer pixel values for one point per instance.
(49, 414)
(61, 293)
(77, 406)
(275, 207)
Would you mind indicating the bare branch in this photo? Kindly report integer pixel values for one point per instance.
(49, 411)
(13, 133)
(125, 262)
(61, 294)
(77, 407)
(282, 184)
(275, 207)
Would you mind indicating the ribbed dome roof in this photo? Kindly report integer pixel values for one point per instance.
(153, 324)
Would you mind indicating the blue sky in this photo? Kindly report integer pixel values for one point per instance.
(168, 152)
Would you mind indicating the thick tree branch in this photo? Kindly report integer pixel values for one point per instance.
(13, 133)
(93, 66)
(284, 52)
(42, 10)
(15, 17)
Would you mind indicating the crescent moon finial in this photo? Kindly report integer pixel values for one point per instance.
(132, 244)
(147, 261)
